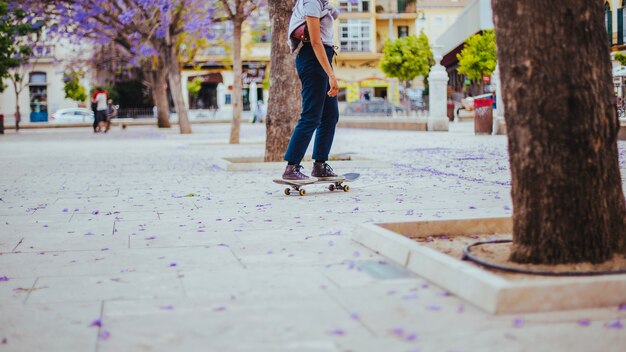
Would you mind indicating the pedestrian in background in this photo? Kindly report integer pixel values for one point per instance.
(100, 98)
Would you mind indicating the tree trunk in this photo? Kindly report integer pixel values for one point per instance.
(176, 89)
(237, 81)
(158, 83)
(562, 131)
(18, 115)
(284, 98)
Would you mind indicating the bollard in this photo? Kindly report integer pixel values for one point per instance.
(1, 124)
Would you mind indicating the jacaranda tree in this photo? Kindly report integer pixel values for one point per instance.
(148, 29)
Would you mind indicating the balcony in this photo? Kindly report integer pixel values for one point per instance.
(43, 51)
(396, 7)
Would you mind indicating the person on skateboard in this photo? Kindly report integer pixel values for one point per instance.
(311, 31)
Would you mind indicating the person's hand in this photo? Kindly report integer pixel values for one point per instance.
(334, 87)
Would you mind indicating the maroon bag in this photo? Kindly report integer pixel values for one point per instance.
(301, 33)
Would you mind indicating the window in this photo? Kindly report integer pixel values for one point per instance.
(354, 6)
(403, 31)
(355, 35)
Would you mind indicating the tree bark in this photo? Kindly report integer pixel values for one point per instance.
(237, 81)
(18, 115)
(284, 99)
(158, 83)
(562, 131)
(176, 88)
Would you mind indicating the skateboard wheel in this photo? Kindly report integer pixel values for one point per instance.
(302, 192)
(287, 191)
(331, 188)
(346, 188)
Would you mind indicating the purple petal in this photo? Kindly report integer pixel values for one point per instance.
(173, 264)
(170, 307)
(615, 324)
(460, 309)
(96, 322)
(622, 307)
(65, 210)
(331, 243)
(397, 332)
(219, 309)
(337, 332)
(584, 322)
(104, 335)
(89, 233)
(518, 322)
(150, 238)
(411, 337)
(356, 254)
(355, 316)
(434, 308)
(4, 278)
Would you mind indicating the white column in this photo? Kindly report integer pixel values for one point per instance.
(253, 95)
(438, 94)
(499, 113)
(221, 96)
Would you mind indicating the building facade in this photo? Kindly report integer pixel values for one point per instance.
(360, 32)
(42, 90)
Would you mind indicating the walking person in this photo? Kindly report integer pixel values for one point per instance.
(311, 31)
(100, 98)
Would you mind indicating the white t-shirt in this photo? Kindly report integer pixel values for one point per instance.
(101, 101)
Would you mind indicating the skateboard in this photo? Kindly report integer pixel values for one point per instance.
(335, 184)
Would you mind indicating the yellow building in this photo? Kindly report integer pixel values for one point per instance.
(360, 32)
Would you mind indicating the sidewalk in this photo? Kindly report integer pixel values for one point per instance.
(138, 240)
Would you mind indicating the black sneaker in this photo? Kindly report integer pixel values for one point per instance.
(293, 173)
(323, 171)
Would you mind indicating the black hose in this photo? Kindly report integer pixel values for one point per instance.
(468, 255)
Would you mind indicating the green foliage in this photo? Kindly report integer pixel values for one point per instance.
(407, 58)
(14, 50)
(194, 87)
(621, 58)
(72, 87)
(478, 58)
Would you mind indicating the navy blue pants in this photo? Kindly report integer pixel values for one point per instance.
(319, 111)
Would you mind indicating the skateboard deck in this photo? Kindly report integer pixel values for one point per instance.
(335, 183)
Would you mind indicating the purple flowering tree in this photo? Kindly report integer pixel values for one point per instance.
(150, 30)
(237, 11)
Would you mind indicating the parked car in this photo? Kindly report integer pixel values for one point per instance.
(71, 115)
(375, 106)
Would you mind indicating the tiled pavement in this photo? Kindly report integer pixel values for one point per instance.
(139, 241)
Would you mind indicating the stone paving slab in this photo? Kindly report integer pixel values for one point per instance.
(184, 255)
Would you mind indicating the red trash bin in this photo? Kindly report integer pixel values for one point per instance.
(483, 116)
(450, 111)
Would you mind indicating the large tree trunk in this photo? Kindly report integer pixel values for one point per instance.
(176, 89)
(158, 83)
(562, 130)
(284, 97)
(237, 81)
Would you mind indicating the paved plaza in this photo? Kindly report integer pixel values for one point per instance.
(140, 240)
